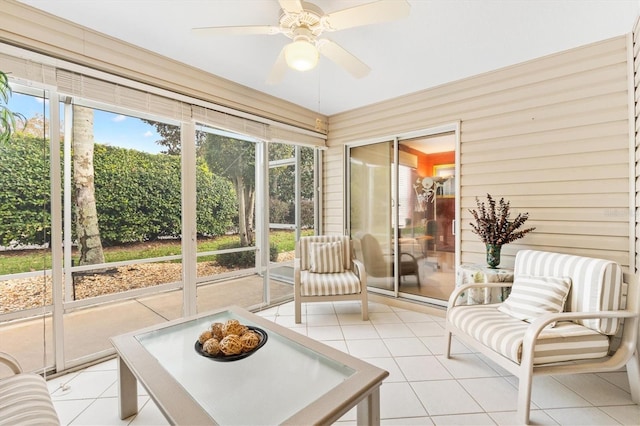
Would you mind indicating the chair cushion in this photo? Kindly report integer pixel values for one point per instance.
(329, 284)
(596, 283)
(304, 246)
(25, 400)
(326, 258)
(532, 297)
(504, 334)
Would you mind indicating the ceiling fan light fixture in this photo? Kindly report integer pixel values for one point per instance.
(301, 55)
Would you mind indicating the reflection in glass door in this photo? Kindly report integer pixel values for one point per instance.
(370, 172)
(420, 175)
(426, 213)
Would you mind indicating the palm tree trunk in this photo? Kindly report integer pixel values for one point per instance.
(242, 219)
(87, 229)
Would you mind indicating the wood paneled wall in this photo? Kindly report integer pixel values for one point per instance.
(550, 135)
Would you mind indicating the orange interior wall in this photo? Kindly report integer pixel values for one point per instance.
(427, 161)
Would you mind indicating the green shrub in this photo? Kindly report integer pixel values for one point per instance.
(279, 211)
(138, 195)
(285, 212)
(306, 213)
(25, 200)
(242, 259)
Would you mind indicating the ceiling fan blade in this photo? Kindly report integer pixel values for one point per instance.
(278, 70)
(238, 30)
(369, 13)
(346, 60)
(291, 5)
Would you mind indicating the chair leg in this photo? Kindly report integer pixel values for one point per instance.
(298, 309)
(365, 306)
(633, 373)
(525, 380)
(447, 344)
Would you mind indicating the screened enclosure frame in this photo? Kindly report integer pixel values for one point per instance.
(69, 83)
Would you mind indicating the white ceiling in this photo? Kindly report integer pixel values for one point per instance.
(441, 40)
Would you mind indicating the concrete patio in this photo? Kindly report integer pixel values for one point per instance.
(87, 330)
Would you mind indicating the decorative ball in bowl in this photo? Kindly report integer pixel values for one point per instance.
(230, 341)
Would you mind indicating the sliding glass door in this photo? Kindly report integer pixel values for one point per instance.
(370, 212)
(427, 212)
(402, 213)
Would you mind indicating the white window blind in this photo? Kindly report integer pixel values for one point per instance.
(230, 122)
(27, 69)
(86, 87)
(279, 134)
(119, 95)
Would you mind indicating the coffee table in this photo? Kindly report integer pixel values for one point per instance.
(292, 379)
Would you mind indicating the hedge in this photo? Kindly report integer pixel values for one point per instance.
(25, 200)
(242, 259)
(138, 195)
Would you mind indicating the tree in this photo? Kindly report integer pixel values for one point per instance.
(171, 136)
(227, 157)
(282, 178)
(235, 160)
(35, 126)
(87, 229)
(282, 185)
(8, 118)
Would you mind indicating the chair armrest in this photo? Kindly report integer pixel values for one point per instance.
(10, 362)
(358, 268)
(459, 290)
(536, 327)
(402, 253)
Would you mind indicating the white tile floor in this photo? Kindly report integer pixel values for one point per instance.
(423, 387)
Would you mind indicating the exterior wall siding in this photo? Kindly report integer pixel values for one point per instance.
(636, 130)
(550, 135)
(333, 197)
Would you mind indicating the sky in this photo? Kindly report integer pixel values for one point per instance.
(109, 128)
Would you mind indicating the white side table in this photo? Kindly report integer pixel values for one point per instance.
(468, 274)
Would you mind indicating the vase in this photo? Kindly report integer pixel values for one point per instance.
(493, 255)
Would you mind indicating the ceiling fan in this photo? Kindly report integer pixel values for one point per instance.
(304, 23)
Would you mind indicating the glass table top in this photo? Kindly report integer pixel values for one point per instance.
(267, 387)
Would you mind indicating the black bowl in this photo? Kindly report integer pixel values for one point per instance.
(223, 357)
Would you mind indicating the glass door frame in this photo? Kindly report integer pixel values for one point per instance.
(397, 139)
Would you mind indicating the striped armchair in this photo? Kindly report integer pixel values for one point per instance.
(561, 317)
(325, 270)
(24, 397)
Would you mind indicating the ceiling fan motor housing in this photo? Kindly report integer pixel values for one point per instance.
(310, 18)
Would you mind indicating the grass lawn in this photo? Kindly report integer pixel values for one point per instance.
(13, 262)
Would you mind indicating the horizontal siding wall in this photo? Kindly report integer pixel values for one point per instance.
(636, 127)
(550, 135)
(333, 197)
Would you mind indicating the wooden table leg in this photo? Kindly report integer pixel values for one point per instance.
(368, 410)
(127, 390)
